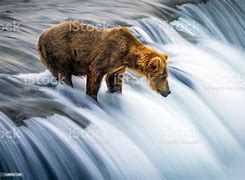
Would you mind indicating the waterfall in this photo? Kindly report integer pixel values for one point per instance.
(195, 133)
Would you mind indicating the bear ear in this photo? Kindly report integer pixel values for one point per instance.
(154, 65)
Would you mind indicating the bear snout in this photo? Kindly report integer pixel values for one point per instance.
(165, 94)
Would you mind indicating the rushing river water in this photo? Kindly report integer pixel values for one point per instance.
(51, 131)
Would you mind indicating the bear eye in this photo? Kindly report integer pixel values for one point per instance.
(164, 76)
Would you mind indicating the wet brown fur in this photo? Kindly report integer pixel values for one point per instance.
(72, 48)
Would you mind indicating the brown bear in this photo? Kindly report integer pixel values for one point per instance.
(72, 48)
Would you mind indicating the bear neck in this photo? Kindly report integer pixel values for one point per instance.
(132, 62)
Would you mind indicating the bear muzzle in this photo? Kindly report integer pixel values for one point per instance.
(165, 94)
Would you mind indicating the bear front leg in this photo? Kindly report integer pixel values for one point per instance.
(66, 78)
(114, 81)
(94, 80)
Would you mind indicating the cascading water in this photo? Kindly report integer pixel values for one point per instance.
(195, 133)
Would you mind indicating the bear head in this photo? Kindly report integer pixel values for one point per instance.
(154, 67)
